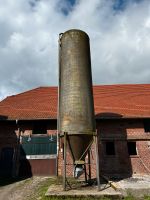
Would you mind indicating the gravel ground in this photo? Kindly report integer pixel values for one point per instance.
(21, 190)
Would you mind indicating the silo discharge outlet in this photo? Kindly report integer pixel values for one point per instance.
(78, 171)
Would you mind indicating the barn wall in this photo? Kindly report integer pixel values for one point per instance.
(12, 136)
(121, 164)
(121, 132)
(8, 148)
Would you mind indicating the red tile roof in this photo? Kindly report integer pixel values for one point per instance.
(131, 100)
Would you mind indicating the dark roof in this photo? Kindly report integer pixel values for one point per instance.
(132, 100)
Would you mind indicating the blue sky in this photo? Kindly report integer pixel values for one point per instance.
(119, 34)
(117, 5)
(122, 4)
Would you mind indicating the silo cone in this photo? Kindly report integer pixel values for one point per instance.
(76, 108)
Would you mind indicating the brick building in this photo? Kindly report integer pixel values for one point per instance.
(28, 131)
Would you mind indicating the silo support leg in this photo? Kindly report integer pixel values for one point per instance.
(64, 172)
(97, 163)
(85, 173)
(89, 164)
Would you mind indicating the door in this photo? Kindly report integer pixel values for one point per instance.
(6, 161)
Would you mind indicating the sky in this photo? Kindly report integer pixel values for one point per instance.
(119, 32)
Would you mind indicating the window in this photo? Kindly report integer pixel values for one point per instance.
(146, 125)
(40, 127)
(132, 148)
(110, 148)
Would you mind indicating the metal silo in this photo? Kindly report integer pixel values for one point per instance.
(76, 108)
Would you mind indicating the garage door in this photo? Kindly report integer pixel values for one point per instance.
(38, 156)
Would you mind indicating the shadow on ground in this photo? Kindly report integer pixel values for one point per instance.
(9, 180)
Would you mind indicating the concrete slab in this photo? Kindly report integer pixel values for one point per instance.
(83, 191)
(137, 186)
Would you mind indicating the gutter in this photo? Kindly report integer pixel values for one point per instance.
(56, 118)
(28, 119)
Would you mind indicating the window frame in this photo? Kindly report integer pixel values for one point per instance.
(114, 148)
(146, 124)
(130, 154)
(36, 125)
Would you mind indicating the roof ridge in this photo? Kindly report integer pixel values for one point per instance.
(34, 89)
(122, 84)
(55, 87)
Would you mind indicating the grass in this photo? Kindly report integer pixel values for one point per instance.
(43, 187)
(147, 198)
(86, 198)
(130, 197)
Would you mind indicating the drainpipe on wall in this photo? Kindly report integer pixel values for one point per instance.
(59, 61)
(57, 152)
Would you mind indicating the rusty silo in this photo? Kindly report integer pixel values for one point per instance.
(76, 108)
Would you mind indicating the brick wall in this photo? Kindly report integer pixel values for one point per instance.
(121, 132)
(121, 164)
(9, 138)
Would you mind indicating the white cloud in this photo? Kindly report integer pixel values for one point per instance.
(29, 29)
